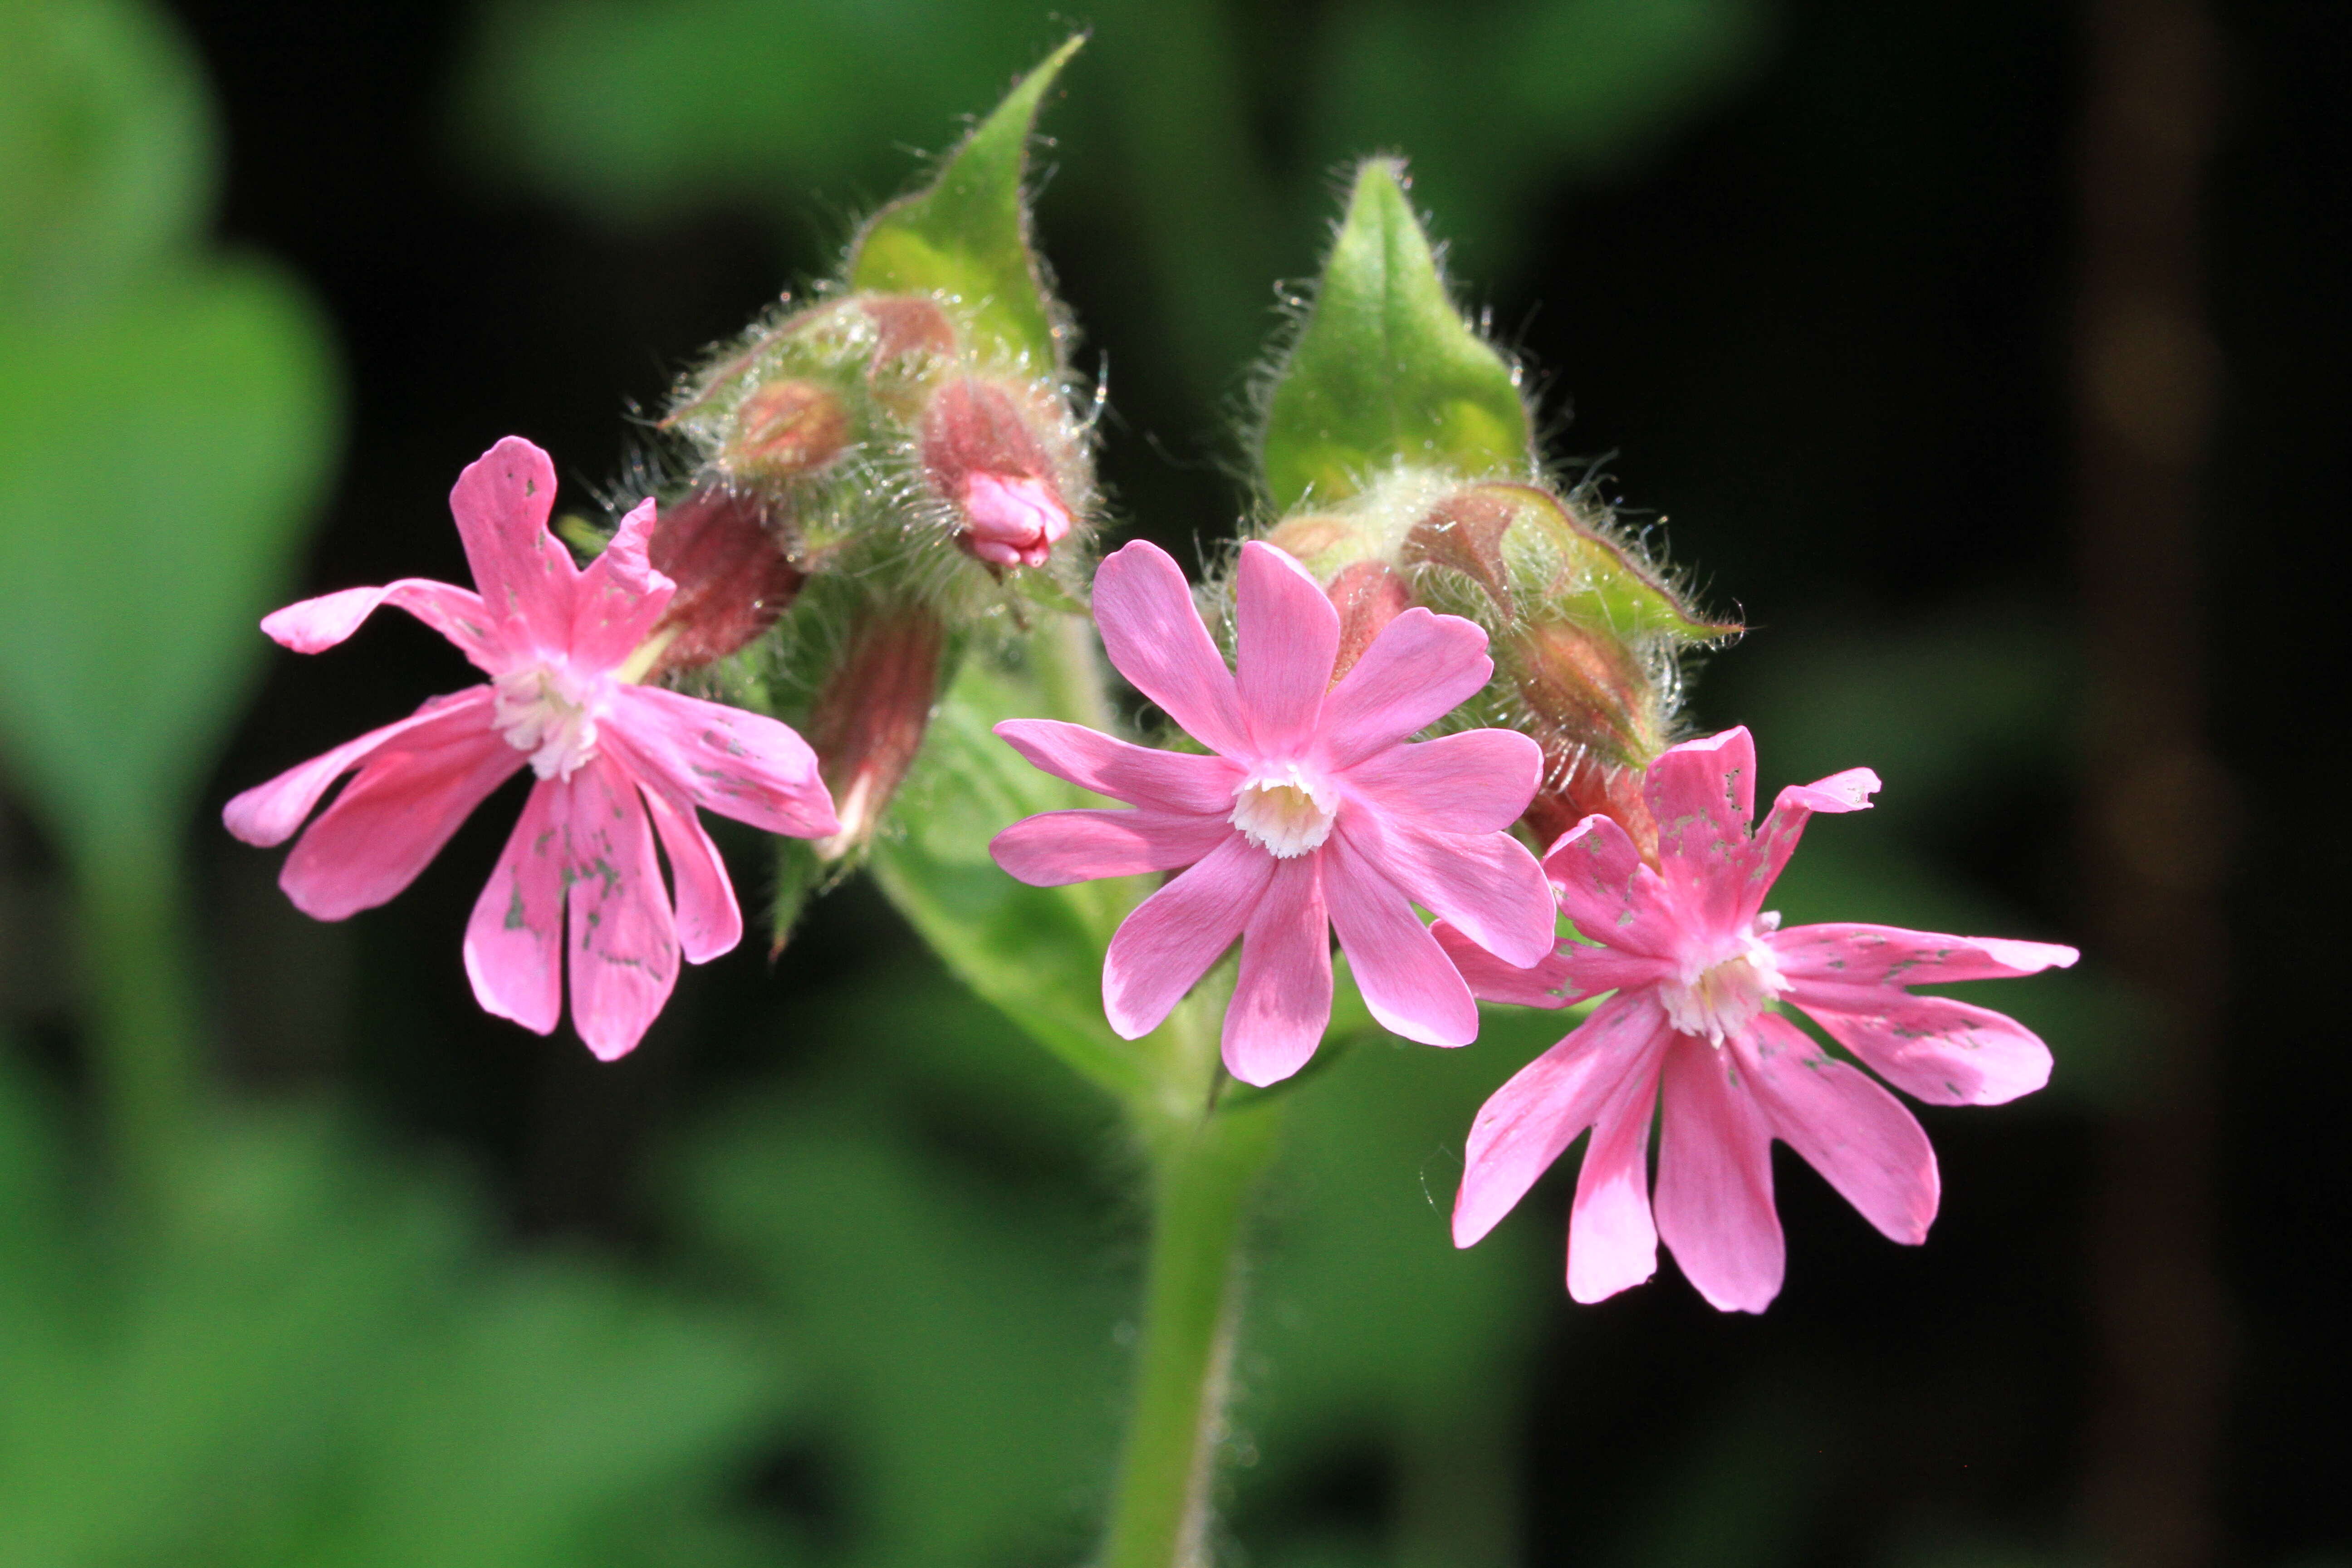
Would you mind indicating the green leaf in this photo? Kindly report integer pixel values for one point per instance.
(106, 149)
(1385, 370)
(1035, 953)
(967, 235)
(158, 462)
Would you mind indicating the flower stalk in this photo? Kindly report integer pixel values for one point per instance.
(1203, 1170)
(145, 1017)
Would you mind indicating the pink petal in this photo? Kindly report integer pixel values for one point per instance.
(1283, 999)
(1854, 1132)
(1172, 780)
(1530, 1121)
(1612, 1242)
(1849, 956)
(1155, 638)
(395, 817)
(1161, 949)
(514, 943)
(620, 597)
(1590, 971)
(1406, 980)
(315, 625)
(1703, 794)
(1419, 669)
(502, 502)
(1777, 839)
(1485, 885)
(268, 812)
(1285, 637)
(1546, 984)
(624, 946)
(1714, 1198)
(1476, 782)
(709, 922)
(1933, 1047)
(1055, 848)
(742, 765)
(1015, 515)
(1607, 893)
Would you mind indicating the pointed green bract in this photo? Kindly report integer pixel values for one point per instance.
(1385, 370)
(968, 234)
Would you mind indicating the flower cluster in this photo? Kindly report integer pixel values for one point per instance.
(1313, 806)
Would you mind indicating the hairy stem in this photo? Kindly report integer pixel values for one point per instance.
(142, 1014)
(1202, 1175)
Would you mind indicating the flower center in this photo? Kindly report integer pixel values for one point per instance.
(1284, 811)
(544, 711)
(1716, 996)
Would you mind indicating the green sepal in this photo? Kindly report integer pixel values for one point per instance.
(967, 235)
(1385, 371)
(1558, 566)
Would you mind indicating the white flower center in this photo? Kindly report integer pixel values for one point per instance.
(545, 710)
(1285, 811)
(1718, 992)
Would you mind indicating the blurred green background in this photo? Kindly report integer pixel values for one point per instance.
(304, 1260)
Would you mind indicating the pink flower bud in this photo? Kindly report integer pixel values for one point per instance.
(987, 454)
(868, 719)
(1012, 521)
(733, 576)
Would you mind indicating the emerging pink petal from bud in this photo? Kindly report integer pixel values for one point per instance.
(1012, 521)
(986, 451)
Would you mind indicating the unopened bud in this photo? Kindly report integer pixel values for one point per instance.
(727, 557)
(1593, 702)
(987, 455)
(1584, 632)
(867, 722)
(1368, 595)
(906, 324)
(1012, 521)
(785, 429)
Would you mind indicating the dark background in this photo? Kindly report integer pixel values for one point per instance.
(1815, 324)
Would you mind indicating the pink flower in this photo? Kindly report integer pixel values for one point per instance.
(990, 449)
(1312, 815)
(1698, 970)
(562, 648)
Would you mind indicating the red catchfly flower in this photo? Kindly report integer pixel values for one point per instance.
(1313, 813)
(1699, 969)
(617, 761)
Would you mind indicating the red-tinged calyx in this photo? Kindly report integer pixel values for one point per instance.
(988, 450)
(867, 722)
(1368, 595)
(1583, 632)
(724, 549)
(784, 430)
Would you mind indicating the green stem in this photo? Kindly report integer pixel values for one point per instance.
(142, 1012)
(1203, 1172)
